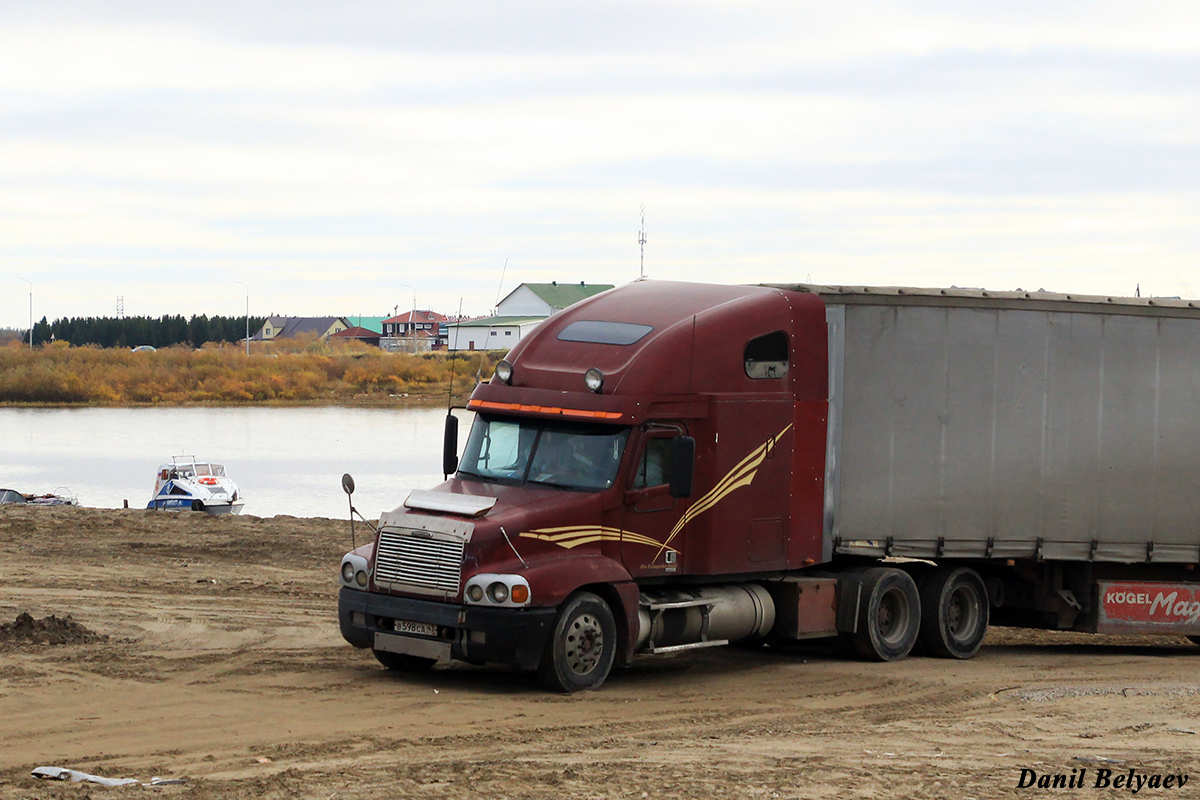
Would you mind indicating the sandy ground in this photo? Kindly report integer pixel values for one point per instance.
(207, 649)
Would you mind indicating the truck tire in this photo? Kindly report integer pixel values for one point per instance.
(582, 646)
(954, 612)
(889, 615)
(402, 662)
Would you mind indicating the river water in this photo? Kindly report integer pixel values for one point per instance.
(284, 460)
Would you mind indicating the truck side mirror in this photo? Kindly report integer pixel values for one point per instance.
(450, 446)
(683, 466)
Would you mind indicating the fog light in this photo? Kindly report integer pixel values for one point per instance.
(504, 371)
(475, 593)
(593, 379)
(347, 572)
(498, 592)
(360, 578)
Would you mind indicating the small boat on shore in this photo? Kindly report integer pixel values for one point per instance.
(60, 497)
(186, 483)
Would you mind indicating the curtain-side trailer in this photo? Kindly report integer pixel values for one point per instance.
(668, 466)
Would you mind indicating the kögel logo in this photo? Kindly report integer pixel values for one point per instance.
(1150, 603)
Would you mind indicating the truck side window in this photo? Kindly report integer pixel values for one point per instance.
(767, 356)
(655, 465)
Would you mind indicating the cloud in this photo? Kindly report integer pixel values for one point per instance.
(328, 155)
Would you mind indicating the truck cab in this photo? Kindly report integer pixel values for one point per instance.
(634, 470)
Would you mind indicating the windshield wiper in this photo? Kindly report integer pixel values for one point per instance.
(569, 486)
(469, 474)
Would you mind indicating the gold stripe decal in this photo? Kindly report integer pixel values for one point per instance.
(741, 475)
(573, 536)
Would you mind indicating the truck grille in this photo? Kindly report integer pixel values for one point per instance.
(424, 564)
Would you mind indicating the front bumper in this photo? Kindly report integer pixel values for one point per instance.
(514, 637)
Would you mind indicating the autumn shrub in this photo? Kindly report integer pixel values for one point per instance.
(311, 371)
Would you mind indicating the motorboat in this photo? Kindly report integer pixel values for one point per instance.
(187, 483)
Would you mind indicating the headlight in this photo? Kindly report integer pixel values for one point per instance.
(354, 572)
(488, 589)
(504, 371)
(593, 379)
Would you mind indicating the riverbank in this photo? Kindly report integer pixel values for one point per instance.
(136, 644)
(317, 373)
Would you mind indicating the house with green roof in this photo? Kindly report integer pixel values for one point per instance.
(544, 299)
(490, 333)
(518, 313)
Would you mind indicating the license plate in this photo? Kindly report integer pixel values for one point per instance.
(419, 628)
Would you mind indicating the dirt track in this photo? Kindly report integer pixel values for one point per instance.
(223, 665)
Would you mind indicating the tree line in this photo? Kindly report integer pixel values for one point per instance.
(163, 331)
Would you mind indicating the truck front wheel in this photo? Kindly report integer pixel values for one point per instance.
(889, 615)
(954, 612)
(582, 646)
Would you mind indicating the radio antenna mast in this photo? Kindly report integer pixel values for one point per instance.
(499, 288)
(642, 244)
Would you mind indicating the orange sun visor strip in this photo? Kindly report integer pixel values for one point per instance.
(488, 405)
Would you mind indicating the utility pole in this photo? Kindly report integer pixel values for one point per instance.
(412, 319)
(247, 317)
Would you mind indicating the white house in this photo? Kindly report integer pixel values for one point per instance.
(544, 299)
(489, 333)
(518, 313)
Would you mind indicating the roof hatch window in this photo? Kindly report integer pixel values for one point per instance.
(597, 332)
(767, 356)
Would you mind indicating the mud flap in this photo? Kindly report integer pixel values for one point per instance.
(849, 594)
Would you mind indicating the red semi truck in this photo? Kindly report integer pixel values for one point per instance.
(668, 466)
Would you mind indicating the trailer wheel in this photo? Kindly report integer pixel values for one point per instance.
(197, 505)
(954, 612)
(402, 662)
(582, 646)
(889, 616)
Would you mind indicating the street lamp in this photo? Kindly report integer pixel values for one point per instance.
(31, 310)
(412, 318)
(247, 317)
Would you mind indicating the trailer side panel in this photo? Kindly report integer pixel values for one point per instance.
(977, 431)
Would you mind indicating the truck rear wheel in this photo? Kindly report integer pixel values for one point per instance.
(954, 612)
(582, 646)
(889, 616)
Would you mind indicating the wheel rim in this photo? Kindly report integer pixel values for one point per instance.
(584, 644)
(893, 617)
(962, 614)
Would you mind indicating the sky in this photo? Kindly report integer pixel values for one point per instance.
(310, 158)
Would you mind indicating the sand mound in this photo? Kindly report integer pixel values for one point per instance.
(48, 630)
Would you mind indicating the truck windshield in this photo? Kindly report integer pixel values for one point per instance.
(567, 455)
